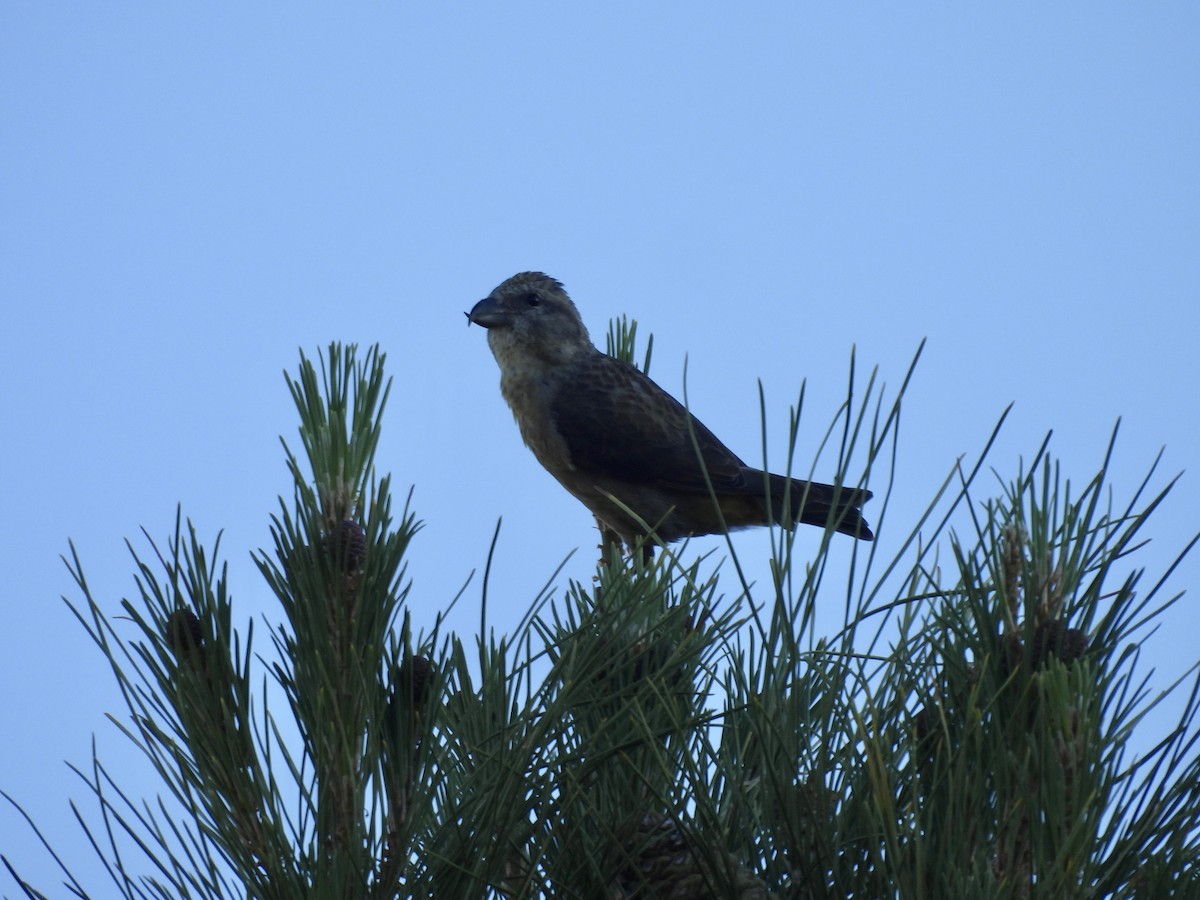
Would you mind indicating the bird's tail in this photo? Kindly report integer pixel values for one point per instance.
(824, 505)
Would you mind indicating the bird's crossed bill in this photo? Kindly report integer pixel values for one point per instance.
(628, 450)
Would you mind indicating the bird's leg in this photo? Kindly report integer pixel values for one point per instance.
(609, 541)
(640, 553)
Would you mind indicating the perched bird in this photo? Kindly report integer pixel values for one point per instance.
(621, 444)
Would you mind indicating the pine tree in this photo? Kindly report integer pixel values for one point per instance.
(966, 733)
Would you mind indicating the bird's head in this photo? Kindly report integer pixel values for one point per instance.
(530, 313)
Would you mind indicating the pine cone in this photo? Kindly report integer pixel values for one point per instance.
(632, 658)
(414, 680)
(1011, 653)
(807, 814)
(925, 729)
(185, 636)
(1051, 639)
(1054, 639)
(347, 546)
(652, 859)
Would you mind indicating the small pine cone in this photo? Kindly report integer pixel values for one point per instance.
(925, 730)
(1054, 639)
(347, 546)
(1012, 651)
(692, 625)
(930, 739)
(649, 659)
(185, 636)
(811, 802)
(817, 802)
(807, 824)
(414, 681)
(652, 859)
(622, 669)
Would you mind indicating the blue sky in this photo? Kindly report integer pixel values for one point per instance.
(191, 195)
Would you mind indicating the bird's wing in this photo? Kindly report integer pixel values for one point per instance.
(618, 423)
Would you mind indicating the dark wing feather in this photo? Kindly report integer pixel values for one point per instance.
(618, 423)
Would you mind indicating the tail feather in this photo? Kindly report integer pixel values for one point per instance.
(824, 505)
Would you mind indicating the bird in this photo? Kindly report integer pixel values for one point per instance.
(648, 469)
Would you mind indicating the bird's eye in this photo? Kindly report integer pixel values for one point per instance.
(531, 299)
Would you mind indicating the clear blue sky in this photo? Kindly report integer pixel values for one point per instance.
(188, 196)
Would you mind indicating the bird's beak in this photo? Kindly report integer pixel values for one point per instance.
(488, 312)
